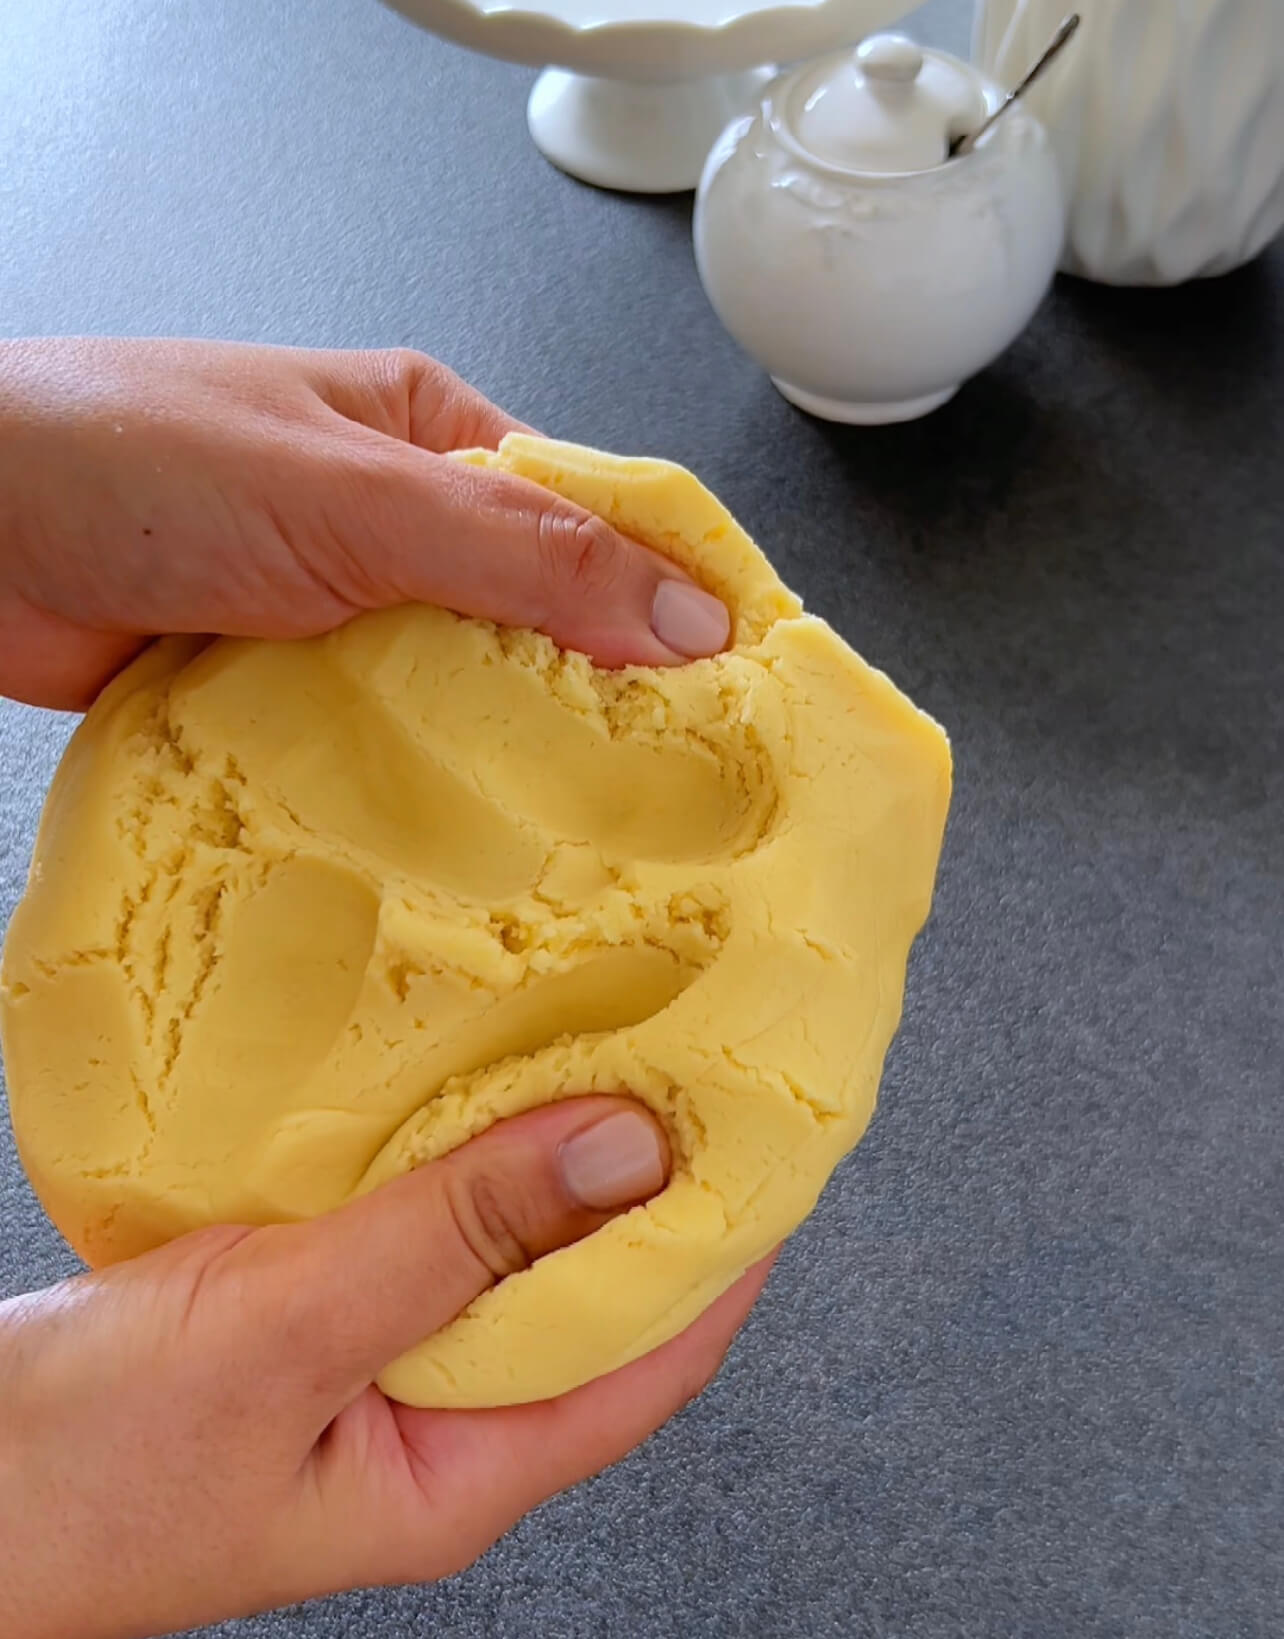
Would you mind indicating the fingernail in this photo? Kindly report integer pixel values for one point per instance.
(688, 619)
(615, 1162)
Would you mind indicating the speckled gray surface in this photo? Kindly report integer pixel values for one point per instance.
(1021, 1374)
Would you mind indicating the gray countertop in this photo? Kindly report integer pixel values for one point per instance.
(1021, 1373)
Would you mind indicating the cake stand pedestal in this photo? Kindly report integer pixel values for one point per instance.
(651, 139)
(640, 95)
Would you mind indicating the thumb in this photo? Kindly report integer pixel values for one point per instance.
(428, 529)
(346, 1293)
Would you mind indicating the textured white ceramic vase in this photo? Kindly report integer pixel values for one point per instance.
(1168, 116)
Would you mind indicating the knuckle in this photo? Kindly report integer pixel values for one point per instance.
(430, 396)
(409, 368)
(467, 416)
(579, 554)
(445, 412)
(482, 1212)
(411, 362)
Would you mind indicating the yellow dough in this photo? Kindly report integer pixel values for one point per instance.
(304, 915)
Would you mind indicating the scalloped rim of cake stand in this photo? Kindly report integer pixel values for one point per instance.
(656, 50)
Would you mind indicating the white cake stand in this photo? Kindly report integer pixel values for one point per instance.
(639, 95)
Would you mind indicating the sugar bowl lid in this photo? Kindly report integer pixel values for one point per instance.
(888, 108)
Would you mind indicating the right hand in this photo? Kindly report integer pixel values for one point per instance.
(196, 1434)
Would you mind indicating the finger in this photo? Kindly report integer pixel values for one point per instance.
(409, 396)
(340, 1297)
(489, 544)
(45, 660)
(508, 1460)
(422, 528)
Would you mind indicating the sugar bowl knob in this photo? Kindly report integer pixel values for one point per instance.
(889, 60)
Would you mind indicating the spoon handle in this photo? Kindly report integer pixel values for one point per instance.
(1062, 38)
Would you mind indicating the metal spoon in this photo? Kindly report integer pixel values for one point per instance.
(965, 144)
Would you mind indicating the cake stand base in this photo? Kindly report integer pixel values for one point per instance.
(651, 139)
(880, 414)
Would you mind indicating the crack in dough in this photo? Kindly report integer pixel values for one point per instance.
(304, 916)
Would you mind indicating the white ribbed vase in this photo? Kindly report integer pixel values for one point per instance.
(1168, 117)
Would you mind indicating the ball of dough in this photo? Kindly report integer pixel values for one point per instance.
(305, 915)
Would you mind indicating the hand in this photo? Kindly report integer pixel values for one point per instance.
(154, 487)
(196, 1434)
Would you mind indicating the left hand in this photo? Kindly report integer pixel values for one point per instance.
(165, 487)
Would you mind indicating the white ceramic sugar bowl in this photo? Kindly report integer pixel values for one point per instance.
(867, 271)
